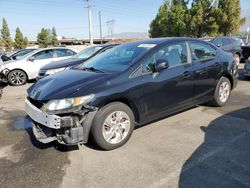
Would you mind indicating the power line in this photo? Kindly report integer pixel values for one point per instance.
(111, 25)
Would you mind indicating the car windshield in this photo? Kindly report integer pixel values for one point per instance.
(28, 54)
(116, 59)
(86, 53)
(22, 53)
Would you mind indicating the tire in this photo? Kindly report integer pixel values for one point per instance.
(109, 131)
(17, 78)
(223, 88)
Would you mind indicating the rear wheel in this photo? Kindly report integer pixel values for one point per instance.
(113, 126)
(222, 92)
(17, 77)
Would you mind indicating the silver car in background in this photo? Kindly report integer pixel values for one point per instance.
(18, 72)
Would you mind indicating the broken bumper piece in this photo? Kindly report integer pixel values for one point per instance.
(67, 130)
(3, 75)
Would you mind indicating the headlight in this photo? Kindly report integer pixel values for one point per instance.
(53, 71)
(67, 103)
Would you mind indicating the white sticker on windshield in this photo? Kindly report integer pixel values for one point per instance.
(147, 45)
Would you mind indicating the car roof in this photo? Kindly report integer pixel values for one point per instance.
(50, 48)
(227, 37)
(40, 50)
(54, 48)
(158, 41)
(105, 45)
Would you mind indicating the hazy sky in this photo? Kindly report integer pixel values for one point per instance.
(70, 17)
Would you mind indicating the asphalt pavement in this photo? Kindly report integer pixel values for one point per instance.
(201, 147)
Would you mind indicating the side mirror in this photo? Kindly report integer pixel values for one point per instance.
(31, 58)
(161, 64)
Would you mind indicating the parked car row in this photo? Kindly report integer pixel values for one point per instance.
(18, 72)
(75, 60)
(28, 64)
(130, 84)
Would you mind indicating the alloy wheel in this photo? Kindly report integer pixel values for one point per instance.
(116, 127)
(224, 92)
(17, 78)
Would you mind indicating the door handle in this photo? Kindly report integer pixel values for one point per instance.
(186, 74)
(217, 64)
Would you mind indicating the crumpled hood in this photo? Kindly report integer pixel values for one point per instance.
(63, 63)
(65, 84)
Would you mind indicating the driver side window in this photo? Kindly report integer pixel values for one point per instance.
(174, 54)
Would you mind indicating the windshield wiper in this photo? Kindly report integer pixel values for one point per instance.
(92, 69)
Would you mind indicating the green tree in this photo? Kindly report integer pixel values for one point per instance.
(182, 2)
(43, 38)
(202, 19)
(170, 20)
(54, 41)
(231, 20)
(158, 26)
(5, 35)
(1, 43)
(26, 41)
(19, 40)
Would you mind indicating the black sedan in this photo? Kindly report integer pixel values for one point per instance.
(132, 84)
(75, 60)
(230, 44)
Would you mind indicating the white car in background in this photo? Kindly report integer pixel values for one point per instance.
(26, 68)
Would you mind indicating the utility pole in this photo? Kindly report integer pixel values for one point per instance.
(90, 22)
(111, 24)
(100, 20)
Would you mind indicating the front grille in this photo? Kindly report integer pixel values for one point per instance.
(36, 103)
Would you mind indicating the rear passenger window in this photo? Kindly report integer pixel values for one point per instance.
(175, 54)
(202, 52)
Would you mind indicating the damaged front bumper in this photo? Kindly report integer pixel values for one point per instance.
(4, 74)
(69, 129)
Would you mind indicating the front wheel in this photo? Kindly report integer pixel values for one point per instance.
(113, 126)
(222, 92)
(17, 77)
